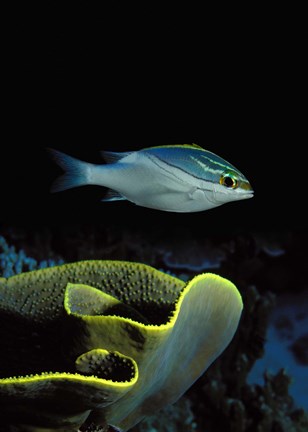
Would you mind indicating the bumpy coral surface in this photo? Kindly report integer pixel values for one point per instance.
(106, 342)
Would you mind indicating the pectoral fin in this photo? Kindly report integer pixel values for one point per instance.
(196, 194)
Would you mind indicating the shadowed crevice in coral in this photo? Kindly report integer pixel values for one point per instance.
(31, 348)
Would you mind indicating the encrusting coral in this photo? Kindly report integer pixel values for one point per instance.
(106, 342)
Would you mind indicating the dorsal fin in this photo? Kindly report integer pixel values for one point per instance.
(112, 157)
(197, 146)
(193, 145)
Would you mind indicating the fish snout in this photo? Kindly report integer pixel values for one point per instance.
(246, 195)
(222, 195)
(245, 190)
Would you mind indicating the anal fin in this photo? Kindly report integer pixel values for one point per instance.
(113, 195)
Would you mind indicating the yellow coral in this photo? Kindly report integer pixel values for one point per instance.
(120, 341)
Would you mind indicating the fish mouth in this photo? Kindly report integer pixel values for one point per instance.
(238, 195)
(246, 194)
(245, 190)
(243, 194)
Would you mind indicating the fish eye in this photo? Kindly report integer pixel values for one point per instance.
(229, 180)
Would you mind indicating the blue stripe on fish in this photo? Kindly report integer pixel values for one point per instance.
(185, 157)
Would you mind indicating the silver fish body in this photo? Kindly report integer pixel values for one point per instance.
(176, 178)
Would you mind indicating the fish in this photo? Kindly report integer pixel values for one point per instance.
(174, 178)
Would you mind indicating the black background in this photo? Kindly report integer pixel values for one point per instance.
(84, 83)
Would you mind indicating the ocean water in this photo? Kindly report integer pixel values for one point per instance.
(286, 346)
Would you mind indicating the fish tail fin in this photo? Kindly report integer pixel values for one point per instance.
(77, 173)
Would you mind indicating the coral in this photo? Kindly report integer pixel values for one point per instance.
(260, 264)
(12, 262)
(300, 349)
(220, 398)
(106, 342)
(285, 346)
(174, 418)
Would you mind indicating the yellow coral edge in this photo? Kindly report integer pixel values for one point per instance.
(163, 327)
(74, 377)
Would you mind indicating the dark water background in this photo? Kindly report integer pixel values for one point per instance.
(76, 86)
